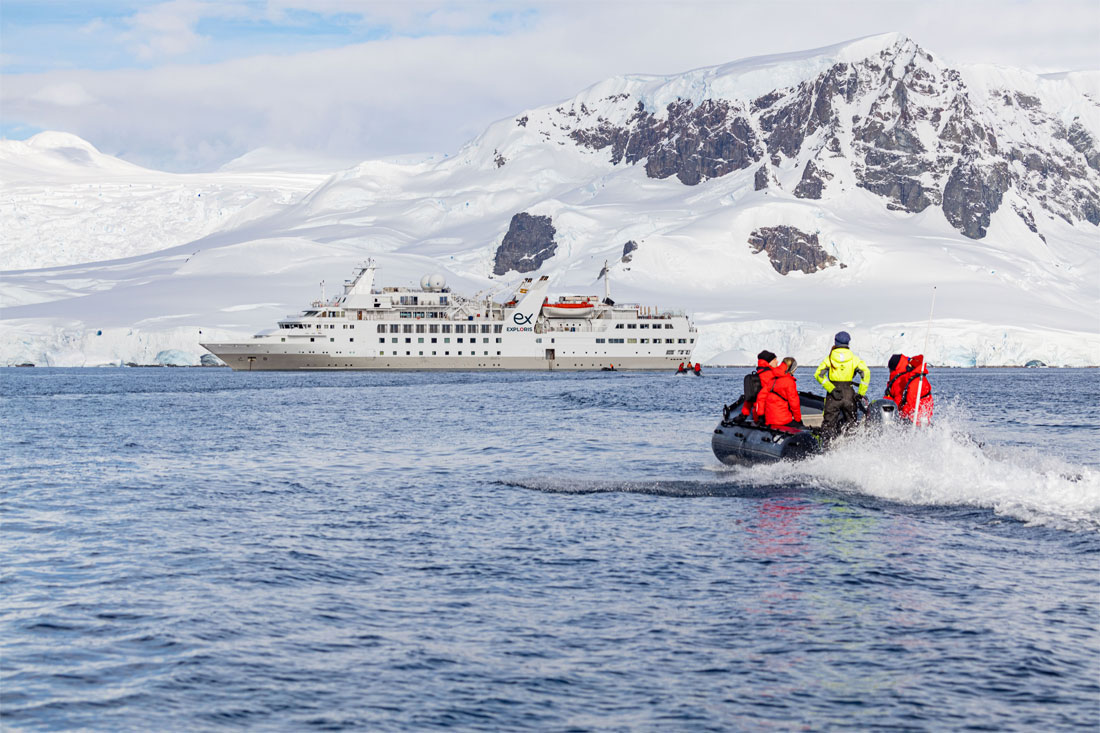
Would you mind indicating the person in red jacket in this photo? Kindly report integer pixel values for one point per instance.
(908, 384)
(765, 360)
(781, 405)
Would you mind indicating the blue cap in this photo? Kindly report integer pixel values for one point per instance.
(842, 339)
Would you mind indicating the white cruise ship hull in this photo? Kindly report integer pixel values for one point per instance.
(249, 357)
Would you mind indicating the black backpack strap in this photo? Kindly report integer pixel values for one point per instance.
(921, 396)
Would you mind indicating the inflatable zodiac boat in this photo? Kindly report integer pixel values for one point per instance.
(738, 440)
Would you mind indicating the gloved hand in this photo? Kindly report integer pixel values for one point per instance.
(835, 394)
(864, 403)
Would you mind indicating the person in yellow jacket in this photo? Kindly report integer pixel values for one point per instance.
(835, 373)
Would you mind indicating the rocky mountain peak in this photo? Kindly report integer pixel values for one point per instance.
(881, 114)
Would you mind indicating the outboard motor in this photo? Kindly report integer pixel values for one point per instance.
(882, 411)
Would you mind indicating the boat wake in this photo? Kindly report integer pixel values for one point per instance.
(934, 467)
(943, 466)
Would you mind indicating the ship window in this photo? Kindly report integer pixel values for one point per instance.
(420, 340)
(497, 328)
(381, 340)
(681, 341)
(498, 353)
(352, 326)
(670, 352)
(446, 353)
(282, 339)
(499, 339)
(485, 328)
(460, 353)
(443, 300)
(381, 328)
(643, 325)
(632, 325)
(618, 325)
(433, 353)
(420, 328)
(486, 353)
(693, 341)
(446, 328)
(632, 341)
(446, 340)
(538, 341)
(600, 341)
(645, 341)
(394, 340)
(408, 340)
(408, 353)
(311, 339)
(331, 339)
(407, 328)
(668, 325)
(422, 353)
(433, 328)
(434, 339)
(394, 328)
(460, 328)
(351, 339)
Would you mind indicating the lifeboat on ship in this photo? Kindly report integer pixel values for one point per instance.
(567, 307)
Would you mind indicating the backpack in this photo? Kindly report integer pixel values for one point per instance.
(752, 386)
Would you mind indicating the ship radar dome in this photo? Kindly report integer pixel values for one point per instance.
(432, 282)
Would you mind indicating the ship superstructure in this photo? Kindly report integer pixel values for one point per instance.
(434, 328)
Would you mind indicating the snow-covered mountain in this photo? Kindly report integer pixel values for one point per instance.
(779, 199)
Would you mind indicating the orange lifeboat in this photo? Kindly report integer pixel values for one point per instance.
(569, 309)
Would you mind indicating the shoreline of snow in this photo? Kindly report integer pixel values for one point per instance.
(956, 343)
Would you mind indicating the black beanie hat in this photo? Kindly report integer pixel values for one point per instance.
(893, 363)
(765, 355)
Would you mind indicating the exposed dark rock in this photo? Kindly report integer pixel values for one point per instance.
(791, 249)
(896, 178)
(760, 181)
(811, 184)
(498, 158)
(692, 143)
(972, 194)
(528, 243)
(1027, 101)
(1029, 219)
(1083, 143)
(627, 249)
(522, 121)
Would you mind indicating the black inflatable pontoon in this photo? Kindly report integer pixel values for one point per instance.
(738, 442)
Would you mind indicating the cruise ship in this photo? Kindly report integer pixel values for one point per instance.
(434, 328)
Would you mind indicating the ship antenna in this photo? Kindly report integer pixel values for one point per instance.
(606, 282)
(322, 291)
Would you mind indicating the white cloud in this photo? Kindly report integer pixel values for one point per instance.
(64, 94)
(433, 92)
(168, 29)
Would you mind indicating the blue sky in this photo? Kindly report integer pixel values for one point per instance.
(191, 84)
(45, 35)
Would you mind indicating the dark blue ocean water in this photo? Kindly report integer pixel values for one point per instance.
(196, 549)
